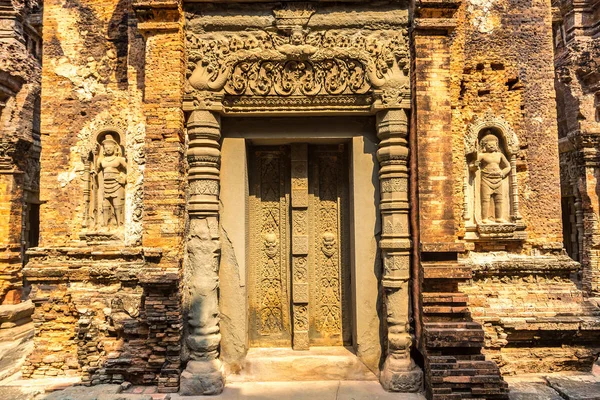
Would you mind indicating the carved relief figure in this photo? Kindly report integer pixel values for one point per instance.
(328, 246)
(491, 203)
(270, 242)
(111, 171)
(494, 168)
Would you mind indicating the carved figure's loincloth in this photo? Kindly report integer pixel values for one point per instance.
(111, 184)
(491, 182)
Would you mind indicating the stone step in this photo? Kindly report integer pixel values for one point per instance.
(453, 334)
(466, 358)
(318, 363)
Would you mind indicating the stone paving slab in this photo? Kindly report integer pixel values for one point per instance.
(319, 390)
(16, 388)
(17, 393)
(532, 391)
(586, 387)
(98, 392)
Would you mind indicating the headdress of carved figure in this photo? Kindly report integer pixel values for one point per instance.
(328, 246)
(489, 137)
(270, 242)
(111, 139)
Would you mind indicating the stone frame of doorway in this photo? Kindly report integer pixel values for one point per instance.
(204, 371)
(365, 226)
(389, 98)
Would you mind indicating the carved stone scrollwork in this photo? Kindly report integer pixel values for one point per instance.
(399, 372)
(297, 63)
(491, 208)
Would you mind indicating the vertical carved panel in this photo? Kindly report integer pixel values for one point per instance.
(269, 251)
(300, 250)
(201, 264)
(329, 297)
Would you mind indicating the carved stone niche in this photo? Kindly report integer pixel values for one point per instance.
(105, 178)
(491, 207)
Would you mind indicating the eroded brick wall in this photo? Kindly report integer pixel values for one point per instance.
(107, 298)
(497, 59)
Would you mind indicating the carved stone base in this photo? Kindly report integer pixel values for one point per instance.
(202, 378)
(499, 231)
(401, 375)
(102, 237)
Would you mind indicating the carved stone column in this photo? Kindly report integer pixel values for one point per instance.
(399, 373)
(11, 223)
(203, 374)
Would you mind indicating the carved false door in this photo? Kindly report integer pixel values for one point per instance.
(299, 268)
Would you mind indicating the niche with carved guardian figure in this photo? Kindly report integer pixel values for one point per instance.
(105, 181)
(491, 191)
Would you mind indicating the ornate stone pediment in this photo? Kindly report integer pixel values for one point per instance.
(292, 67)
(489, 120)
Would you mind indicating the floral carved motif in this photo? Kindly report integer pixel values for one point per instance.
(300, 63)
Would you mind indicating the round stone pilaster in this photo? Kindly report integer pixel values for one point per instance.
(399, 373)
(203, 156)
(204, 373)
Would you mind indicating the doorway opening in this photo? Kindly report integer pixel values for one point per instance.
(300, 268)
(299, 274)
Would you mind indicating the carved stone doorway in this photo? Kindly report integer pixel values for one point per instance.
(302, 154)
(299, 272)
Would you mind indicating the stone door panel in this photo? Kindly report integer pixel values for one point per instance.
(299, 276)
(269, 239)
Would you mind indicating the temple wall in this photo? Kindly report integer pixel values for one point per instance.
(520, 287)
(93, 73)
(577, 51)
(482, 66)
(20, 75)
(507, 69)
(110, 309)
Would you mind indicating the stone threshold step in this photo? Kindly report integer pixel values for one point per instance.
(316, 364)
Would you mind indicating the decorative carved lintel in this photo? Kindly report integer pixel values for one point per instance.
(263, 67)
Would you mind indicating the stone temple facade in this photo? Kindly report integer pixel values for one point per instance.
(20, 79)
(255, 190)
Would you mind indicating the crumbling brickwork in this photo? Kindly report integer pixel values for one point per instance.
(107, 308)
(577, 60)
(20, 75)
